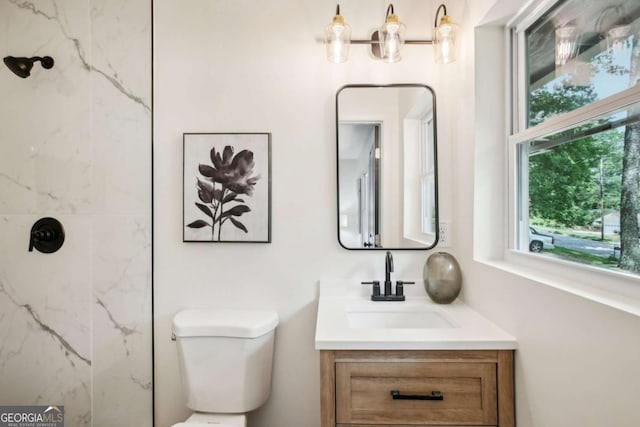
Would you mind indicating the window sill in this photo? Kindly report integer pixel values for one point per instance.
(617, 290)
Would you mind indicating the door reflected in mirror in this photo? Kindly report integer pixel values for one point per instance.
(387, 167)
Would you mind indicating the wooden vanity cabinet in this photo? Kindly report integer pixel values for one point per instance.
(431, 388)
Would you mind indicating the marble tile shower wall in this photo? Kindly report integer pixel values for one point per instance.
(75, 144)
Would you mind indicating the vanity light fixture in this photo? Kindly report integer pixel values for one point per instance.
(391, 36)
(337, 39)
(445, 37)
(387, 42)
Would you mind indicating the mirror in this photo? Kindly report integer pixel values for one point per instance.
(387, 167)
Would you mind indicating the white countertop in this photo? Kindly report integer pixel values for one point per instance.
(468, 329)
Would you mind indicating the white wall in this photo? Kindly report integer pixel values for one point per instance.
(256, 66)
(577, 361)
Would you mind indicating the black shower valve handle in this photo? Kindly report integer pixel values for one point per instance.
(43, 235)
(38, 236)
(47, 235)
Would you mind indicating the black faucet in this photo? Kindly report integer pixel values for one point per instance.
(388, 295)
(388, 269)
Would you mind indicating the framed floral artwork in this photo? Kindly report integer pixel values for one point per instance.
(227, 187)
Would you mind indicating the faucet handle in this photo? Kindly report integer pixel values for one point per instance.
(376, 287)
(400, 287)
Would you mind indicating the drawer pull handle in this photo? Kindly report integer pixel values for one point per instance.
(435, 395)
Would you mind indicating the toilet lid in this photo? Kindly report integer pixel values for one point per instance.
(222, 322)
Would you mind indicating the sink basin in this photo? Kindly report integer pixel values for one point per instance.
(406, 317)
(347, 319)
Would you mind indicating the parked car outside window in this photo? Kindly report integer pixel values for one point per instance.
(539, 241)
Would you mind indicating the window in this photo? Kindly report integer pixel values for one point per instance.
(419, 173)
(427, 176)
(575, 140)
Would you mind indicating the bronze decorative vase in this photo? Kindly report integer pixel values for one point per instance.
(442, 277)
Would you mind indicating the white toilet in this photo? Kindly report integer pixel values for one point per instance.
(226, 362)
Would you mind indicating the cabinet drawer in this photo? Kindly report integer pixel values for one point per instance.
(468, 391)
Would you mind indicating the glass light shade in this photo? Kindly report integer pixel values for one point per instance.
(617, 38)
(445, 41)
(566, 44)
(391, 39)
(337, 40)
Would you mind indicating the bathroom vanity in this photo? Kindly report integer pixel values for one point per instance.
(410, 363)
(432, 387)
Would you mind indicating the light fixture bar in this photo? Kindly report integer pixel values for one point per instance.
(386, 43)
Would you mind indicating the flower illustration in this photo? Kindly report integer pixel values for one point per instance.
(234, 174)
(229, 177)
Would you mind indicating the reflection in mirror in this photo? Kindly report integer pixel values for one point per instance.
(387, 167)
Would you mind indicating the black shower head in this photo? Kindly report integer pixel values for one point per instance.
(22, 66)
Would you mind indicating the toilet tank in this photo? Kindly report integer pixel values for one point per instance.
(225, 357)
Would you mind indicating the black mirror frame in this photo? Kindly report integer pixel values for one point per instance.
(435, 165)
